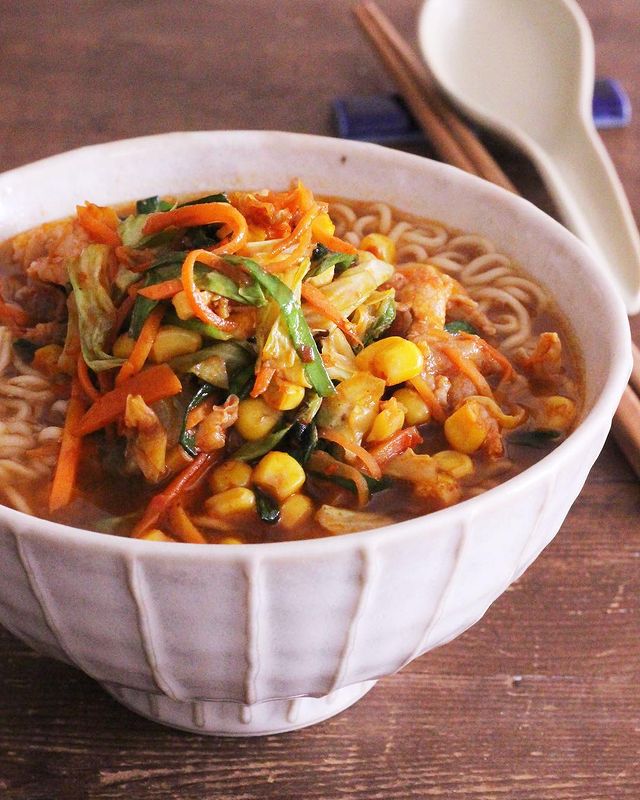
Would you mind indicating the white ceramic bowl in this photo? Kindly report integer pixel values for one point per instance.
(254, 639)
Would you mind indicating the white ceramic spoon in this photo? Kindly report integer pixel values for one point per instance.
(525, 69)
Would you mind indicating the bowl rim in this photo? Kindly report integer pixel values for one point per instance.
(588, 428)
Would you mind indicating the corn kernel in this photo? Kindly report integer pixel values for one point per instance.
(296, 511)
(279, 474)
(393, 359)
(156, 535)
(456, 464)
(46, 358)
(182, 305)
(416, 411)
(557, 413)
(232, 502)
(465, 429)
(255, 418)
(172, 341)
(387, 422)
(380, 245)
(123, 346)
(230, 540)
(230, 475)
(284, 395)
(323, 224)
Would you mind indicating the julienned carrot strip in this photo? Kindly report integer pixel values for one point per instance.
(426, 393)
(396, 445)
(70, 448)
(100, 223)
(303, 225)
(161, 502)
(84, 380)
(354, 449)
(502, 360)
(142, 347)
(335, 244)
(153, 383)
(468, 368)
(162, 291)
(122, 313)
(318, 299)
(202, 214)
(197, 414)
(193, 294)
(262, 381)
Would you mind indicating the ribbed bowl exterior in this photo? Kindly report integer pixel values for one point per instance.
(248, 625)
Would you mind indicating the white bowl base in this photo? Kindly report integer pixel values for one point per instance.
(224, 718)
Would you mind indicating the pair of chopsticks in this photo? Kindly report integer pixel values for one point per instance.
(456, 144)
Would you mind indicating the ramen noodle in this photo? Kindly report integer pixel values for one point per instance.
(262, 366)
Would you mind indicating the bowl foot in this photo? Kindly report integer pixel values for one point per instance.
(225, 718)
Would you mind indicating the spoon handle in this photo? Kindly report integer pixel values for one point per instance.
(584, 184)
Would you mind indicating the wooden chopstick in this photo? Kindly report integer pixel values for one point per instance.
(456, 144)
(452, 139)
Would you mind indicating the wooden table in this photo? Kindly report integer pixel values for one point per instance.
(540, 699)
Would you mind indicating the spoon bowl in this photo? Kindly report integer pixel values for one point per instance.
(526, 71)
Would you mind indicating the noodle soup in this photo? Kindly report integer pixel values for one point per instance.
(260, 366)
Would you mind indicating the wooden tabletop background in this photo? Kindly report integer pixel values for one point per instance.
(538, 700)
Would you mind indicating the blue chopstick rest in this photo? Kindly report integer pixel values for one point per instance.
(384, 118)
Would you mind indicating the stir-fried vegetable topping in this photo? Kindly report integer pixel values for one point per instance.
(273, 380)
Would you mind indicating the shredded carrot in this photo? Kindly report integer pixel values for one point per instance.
(142, 347)
(262, 381)
(468, 368)
(182, 526)
(353, 449)
(100, 222)
(396, 445)
(64, 478)
(183, 481)
(502, 360)
(302, 227)
(84, 380)
(153, 384)
(318, 299)
(194, 295)
(123, 311)
(202, 214)
(162, 291)
(334, 243)
(427, 394)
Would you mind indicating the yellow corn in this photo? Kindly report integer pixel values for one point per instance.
(557, 413)
(387, 422)
(465, 429)
(380, 245)
(323, 224)
(283, 395)
(279, 474)
(46, 358)
(296, 511)
(230, 475)
(123, 346)
(156, 535)
(393, 359)
(172, 341)
(255, 418)
(230, 540)
(456, 464)
(233, 502)
(416, 411)
(182, 305)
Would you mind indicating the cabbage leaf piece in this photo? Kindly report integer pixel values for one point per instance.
(96, 311)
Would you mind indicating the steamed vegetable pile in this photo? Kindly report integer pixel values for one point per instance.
(262, 379)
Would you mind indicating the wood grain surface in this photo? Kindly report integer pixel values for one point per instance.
(540, 700)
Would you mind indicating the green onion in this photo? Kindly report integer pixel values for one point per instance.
(297, 326)
(460, 326)
(267, 508)
(538, 438)
(187, 438)
(323, 259)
